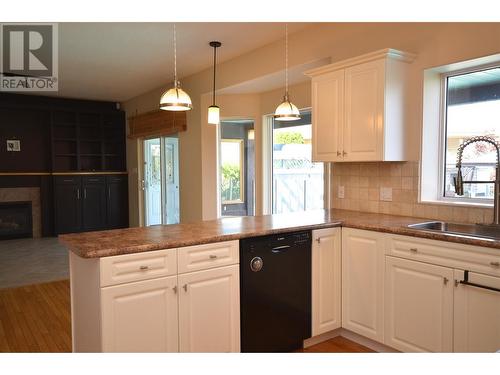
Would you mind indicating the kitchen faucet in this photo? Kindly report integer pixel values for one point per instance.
(459, 182)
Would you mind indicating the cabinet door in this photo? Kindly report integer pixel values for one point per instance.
(476, 314)
(140, 317)
(94, 206)
(328, 116)
(67, 201)
(117, 201)
(364, 112)
(363, 282)
(326, 280)
(418, 306)
(209, 310)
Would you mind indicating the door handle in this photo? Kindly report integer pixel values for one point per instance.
(277, 249)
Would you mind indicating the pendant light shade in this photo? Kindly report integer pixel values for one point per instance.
(286, 111)
(213, 110)
(175, 99)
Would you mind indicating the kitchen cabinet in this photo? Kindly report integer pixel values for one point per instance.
(476, 314)
(359, 108)
(326, 280)
(363, 282)
(141, 316)
(209, 314)
(143, 302)
(418, 306)
(90, 202)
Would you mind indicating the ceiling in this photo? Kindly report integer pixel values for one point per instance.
(118, 61)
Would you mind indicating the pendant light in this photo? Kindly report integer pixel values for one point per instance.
(286, 111)
(175, 99)
(213, 110)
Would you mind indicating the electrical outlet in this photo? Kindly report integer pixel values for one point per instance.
(386, 194)
(341, 193)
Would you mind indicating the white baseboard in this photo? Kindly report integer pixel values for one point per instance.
(369, 343)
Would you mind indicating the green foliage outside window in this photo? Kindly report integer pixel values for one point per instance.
(287, 138)
(231, 183)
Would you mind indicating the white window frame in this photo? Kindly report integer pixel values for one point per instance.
(443, 135)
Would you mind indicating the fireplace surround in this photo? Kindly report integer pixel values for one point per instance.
(16, 220)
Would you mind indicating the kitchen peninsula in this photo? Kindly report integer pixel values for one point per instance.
(176, 287)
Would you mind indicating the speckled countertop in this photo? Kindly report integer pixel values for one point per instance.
(135, 240)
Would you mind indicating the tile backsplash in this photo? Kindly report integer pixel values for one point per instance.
(362, 184)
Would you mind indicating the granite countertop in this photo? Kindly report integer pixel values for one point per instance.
(135, 240)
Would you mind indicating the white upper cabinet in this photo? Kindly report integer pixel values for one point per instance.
(326, 280)
(358, 108)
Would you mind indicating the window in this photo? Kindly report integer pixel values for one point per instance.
(237, 167)
(471, 108)
(232, 171)
(297, 182)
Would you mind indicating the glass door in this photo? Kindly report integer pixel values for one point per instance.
(161, 181)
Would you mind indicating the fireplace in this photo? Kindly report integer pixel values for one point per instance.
(15, 220)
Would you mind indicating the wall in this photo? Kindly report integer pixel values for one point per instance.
(434, 43)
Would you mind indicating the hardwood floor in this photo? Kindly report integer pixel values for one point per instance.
(37, 318)
(338, 344)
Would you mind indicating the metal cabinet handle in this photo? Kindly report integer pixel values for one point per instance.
(495, 264)
(109, 192)
(84, 193)
(318, 240)
(213, 256)
(175, 289)
(413, 249)
(344, 153)
(144, 268)
(339, 153)
(185, 287)
(445, 280)
(78, 193)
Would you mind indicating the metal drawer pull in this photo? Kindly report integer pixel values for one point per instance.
(495, 264)
(413, 249)
(185, 287)
(445, 280)
(465, 281)
(144, 268)
(213, 256)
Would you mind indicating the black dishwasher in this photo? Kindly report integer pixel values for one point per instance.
(275, 289)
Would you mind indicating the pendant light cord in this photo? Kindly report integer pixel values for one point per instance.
(175, 57)
(215, 64)
(286, 60)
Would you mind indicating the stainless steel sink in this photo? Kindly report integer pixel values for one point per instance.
(469, 230)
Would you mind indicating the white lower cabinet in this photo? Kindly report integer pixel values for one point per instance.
(476, 314)
(418, 306)
(140, 316)
(363, 282)
(326, 280)
(209, 313)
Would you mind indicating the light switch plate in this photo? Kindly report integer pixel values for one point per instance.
(386, 194)
(341, 193)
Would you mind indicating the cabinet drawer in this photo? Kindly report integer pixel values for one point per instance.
(67, 180)
(202, 257)
(449, 254)
(94, 179)
(134, 267)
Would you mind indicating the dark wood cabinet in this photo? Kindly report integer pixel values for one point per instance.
(67, 201)
(94, 203)
(117, 202)
(87, 203)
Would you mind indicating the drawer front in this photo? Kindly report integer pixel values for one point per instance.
(134, 267)
(474, 258)
(202, 257)
(94, 179)
(67, 180)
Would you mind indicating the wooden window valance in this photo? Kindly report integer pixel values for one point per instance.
(157, 123)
